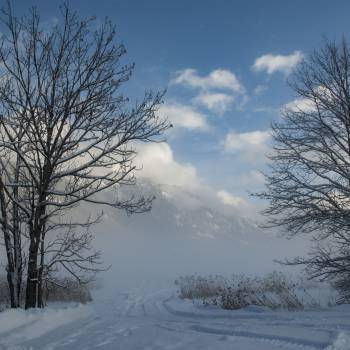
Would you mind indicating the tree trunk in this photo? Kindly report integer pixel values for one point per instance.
(41, 271)
(18, 283)
(8, 247)
(11, 288)
(17, 237)
(40, 288)
(32, 279)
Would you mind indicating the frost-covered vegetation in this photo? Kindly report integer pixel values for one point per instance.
(275, 291)
(62, 289)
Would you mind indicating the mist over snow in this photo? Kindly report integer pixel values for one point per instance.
(186, 232)
(210, 110)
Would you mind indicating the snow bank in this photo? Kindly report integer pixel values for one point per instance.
(159, 320)
(341, 343)
(20, 325)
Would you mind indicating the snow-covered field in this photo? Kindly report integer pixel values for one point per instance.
(158, 320)
(174, 240)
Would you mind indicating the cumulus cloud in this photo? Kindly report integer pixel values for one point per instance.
(217, 79)
(183, 116)
(250, 145)
(158, 164)
(228, 199)
(182, 182)
(217, 91)
(239, 141)
(277, 63)
(216, 102)
(321, 94)
(300, 105)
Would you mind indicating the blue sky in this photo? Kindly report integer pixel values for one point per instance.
(225, 65)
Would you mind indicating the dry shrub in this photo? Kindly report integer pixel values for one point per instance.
(67, 289)
(197, 287)
(274, 291)
(61, 289)
(342, 285)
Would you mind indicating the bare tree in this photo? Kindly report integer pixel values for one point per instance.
(11, 222)
(308, 185)
(72, 132)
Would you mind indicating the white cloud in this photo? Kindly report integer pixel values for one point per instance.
(236, 142)
(158, 164)
(277, 63)
(183, 116)
(216, 102)
(307, 105)
(300, 105)
(217, 79)
(217, 91)
(182, 182)
(252, 146)
(228, 199)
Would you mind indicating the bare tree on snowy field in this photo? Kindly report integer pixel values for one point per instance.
(11, 220)
(308, 183)
(67, 134)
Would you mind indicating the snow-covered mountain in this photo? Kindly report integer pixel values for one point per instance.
(187, 232)
(186, 214)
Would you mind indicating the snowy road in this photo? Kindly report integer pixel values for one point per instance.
(158, 321)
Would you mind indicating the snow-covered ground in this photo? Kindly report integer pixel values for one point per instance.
(159, 320)
(180, 236)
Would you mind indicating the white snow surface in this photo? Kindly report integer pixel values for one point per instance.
(182, 235)
(158, 320)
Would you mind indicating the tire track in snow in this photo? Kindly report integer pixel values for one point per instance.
(149, 305)
(325, 327)
(189, 314)
(331, 331)
(283, 321)
(290, 342)
(144, 305)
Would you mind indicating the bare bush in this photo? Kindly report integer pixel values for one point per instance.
(58, 290)
(274, 291)
(194, 286)
(67, 289)
(342, 285)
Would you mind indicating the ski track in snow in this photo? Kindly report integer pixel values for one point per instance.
(158, 321)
